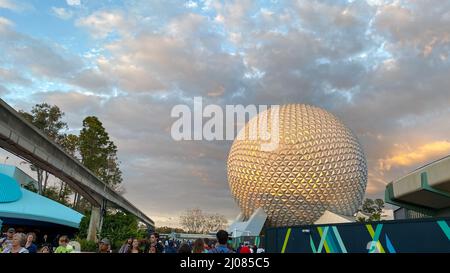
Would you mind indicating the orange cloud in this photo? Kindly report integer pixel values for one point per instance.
(418, 155)
(219, 91)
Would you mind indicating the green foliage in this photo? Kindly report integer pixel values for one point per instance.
(372, 207)
(47, 118)
(86, 245)
(99, 153)
(71, 144)
(84, 225)
(53, 192)
(31, 187)
(117, 227)
(168, 230)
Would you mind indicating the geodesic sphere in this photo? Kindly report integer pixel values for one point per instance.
(318, 165)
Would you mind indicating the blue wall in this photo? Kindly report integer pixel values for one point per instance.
(405, 236)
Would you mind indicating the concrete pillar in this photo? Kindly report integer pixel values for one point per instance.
(94, 224)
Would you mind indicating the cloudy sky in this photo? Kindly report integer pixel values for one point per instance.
(381, 66)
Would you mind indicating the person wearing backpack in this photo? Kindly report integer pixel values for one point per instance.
(222, 246)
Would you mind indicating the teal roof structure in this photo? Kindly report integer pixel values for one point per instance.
(20, 176)
(19, 203)
(9, 190)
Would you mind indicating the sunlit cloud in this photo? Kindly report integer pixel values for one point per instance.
(409, 156)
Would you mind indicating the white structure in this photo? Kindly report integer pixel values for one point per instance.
(329, 217)
(252, 227)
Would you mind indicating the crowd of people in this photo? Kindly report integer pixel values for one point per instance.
(155, 245)
(17, 242)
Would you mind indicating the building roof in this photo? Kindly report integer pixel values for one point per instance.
(329, 217)
(20, 176)
(425, 190)
(19, 203)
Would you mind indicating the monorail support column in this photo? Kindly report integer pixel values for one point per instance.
(94, 223)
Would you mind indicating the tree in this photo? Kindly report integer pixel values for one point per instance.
(196, 221)
(70, 143)
(98, 153)
(193, 220)
(117, 227)
(372, 207)
(48, 119)
(214, 222)
(31, 187)
(168, 230)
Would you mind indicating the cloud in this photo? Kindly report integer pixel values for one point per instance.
(415, 27)
(102, 23)
(5, 23)
(73, 2)
(408, 156)
(93, 80)
(185, 56)
(7, 4)
(38, 58)
(13, 77)
(15, 6)
(74, 103)
(62, 13)
(3, 91)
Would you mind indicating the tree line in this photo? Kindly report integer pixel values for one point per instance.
(197, 221)
(92, 147)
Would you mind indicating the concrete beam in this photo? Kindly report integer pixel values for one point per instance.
(21, 138)
(427, 188)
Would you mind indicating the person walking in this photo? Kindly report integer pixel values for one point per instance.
(135, 247)
(245, 248)
(222, 243)
(155, 243)
(199, 246)
(125, 248)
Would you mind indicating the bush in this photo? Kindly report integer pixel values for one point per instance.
(87, 246)
(117, 227)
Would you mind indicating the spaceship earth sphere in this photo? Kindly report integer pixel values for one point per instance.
(318, 165)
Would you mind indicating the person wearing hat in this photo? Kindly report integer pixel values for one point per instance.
(6, 242)
(104, 246)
